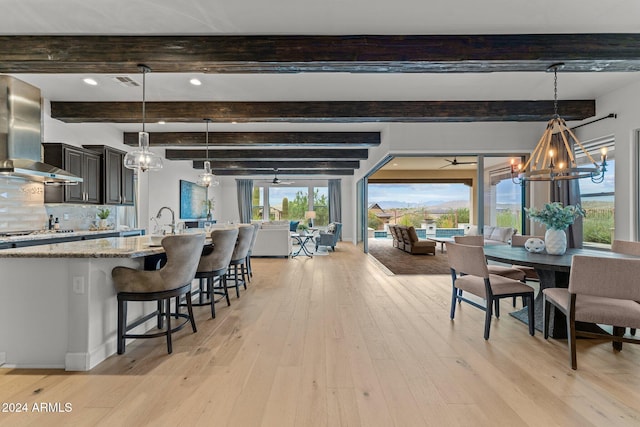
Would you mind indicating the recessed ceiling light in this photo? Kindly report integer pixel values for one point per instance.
(394, 164)
(161, 122)
(195, 82)
(90, 81)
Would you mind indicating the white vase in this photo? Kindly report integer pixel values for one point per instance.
(555, 241)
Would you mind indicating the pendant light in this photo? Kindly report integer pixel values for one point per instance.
(554, 158)
(143, 159)
(207, 178)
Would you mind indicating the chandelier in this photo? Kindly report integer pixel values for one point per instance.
(207, 178)
(142, 158)
(554, 158)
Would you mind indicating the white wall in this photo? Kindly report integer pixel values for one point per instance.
(624, 103)
(402, 139)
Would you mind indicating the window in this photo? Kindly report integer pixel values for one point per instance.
(284, 202)
(257, 204)
(598, 200)
(503, 198)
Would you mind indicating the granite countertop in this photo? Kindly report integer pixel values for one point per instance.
(45, 235)
(111, 247)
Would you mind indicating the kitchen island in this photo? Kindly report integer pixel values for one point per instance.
(58, 305)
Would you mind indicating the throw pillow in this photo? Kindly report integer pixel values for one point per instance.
(331, 228)
(293, 226)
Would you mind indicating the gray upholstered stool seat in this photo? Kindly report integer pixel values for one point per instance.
(172, 280)
(213, 266)
(237, 273)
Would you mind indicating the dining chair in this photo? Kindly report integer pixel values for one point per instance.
(172, 280)
(519, 241)
(626, 247)
(629, 248)
(500, 270)
(601, 290)
(237, 272)
(470, 273)
(213, 265)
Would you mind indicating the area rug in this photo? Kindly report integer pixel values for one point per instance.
(401, 262)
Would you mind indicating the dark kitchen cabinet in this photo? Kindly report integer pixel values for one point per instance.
(117, 181)
(80, 162)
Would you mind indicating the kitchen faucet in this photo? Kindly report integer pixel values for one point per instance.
(173, 218)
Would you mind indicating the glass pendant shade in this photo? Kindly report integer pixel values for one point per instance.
(142, 158)
(207, 178)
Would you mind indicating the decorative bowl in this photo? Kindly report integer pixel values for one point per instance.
(534, 245)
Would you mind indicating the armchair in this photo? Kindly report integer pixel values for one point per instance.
(329, 237)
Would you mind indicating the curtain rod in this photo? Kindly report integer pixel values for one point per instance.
(609, 116)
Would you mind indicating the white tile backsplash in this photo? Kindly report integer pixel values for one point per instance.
(21, 205)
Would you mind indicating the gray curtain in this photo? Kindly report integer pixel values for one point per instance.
(568, 193)
(335, 201)
(244, 190)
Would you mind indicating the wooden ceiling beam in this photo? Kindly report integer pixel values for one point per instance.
(595, 52)
(288, 164)
(321, 111)
(231, 139)
(244, 172)
(273, 155)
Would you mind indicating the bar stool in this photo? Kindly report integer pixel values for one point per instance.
(172, 280)
(238, 264)
(214, 263)
(253, 243)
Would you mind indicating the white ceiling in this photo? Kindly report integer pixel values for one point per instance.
(206, 17)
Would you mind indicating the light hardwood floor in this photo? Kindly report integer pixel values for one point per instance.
(335, 341)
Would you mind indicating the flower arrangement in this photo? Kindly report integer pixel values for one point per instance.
(103, 213)
(555, 216)
(208, 205)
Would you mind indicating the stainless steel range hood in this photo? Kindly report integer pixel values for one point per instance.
(21, 135)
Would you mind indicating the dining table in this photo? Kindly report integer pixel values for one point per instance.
(553, 271)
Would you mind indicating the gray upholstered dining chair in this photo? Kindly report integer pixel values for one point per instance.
(213, 266)
(510, 272)
(172, 280)
(626, 247)
(630, 248)
(500, 270)
(237, 272)
(477, 280)
(601, 290)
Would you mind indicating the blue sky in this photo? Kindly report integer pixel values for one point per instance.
(409, 194)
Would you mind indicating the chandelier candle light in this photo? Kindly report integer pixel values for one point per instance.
(553, 159)
(142, 158)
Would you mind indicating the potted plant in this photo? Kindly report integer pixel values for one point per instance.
(303, 228)
(103, 214)
(556, 218)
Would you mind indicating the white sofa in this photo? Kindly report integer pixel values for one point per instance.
(493, 235)
(498, 235)
(273, 240)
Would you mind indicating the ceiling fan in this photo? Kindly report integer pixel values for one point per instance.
(276, 180)
(455, 162)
